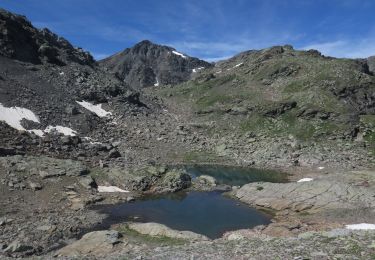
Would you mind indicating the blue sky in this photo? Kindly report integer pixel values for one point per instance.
(208, 29)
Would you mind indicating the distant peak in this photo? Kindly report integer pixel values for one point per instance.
(145, 42)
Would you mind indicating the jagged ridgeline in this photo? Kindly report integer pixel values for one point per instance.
(148, 64)
(280, 91)
(43, 73)
(21, 41)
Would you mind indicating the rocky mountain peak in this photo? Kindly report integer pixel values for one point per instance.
(21, 41)
(149, 64)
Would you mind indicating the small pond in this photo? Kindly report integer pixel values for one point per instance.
(207, 213)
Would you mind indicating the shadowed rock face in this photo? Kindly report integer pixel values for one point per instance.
(21, 41)
(148, 64)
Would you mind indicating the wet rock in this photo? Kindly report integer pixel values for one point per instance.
(93, 243)
(207, 180)
(175, 181)
(130, 199)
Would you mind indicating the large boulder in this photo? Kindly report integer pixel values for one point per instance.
(175, 180)
(160, 230)
(93, 243)
(328, 192)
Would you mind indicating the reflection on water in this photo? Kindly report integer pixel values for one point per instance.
(207, 213)
(236, 176)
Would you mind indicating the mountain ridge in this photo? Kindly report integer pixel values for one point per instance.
(148, 64)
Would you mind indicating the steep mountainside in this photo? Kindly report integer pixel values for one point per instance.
(148, 64)
(282, 94)
(47, 85)
(21, 41)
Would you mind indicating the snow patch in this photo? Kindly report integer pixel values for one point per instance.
(37, 132)
(239, 64)
(157, 83)
(179, 54)
(305, 179)
(362, 226)
(13, 116)
(96, 109)
(197, 69)
(61, 129)
(110, 189)
(321, 167)
(91, 140)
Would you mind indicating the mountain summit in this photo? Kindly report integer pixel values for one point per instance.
(148, 64)
(21, 41)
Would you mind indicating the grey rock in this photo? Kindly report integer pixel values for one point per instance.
(207, 180)
(175, 181)
(114, 154)
(323, 193)
(16, 246)
(130, 199)
(88, 182)
(35, 186)
(156, 229)
(93, 243)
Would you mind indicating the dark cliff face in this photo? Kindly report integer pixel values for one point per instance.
(148, 64)
(21, 41)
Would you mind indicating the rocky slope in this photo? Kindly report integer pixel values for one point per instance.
(20, 40)
(69, 125)
(302, 101)
(50, 88)
(371, 63)
(148, 64)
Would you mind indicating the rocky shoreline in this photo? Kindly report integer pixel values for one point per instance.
(76, 133)
(47, 205)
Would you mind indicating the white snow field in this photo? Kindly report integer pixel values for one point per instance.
(305, 179)
(13, 116)
(96, 109)
(110, 189)
(61, 129)
(179, 54)
(362, 226)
